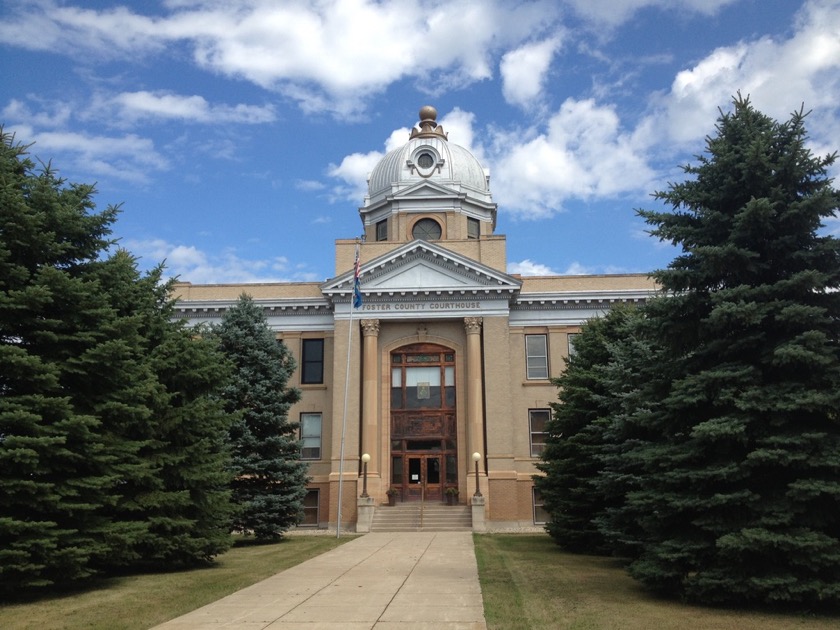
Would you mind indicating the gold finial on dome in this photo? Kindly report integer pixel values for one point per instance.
(428, 125)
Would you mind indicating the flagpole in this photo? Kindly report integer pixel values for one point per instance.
(355, 300)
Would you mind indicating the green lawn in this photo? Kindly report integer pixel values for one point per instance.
(143, 601)
(528, 582)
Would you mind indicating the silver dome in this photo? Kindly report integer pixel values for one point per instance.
(428, 155)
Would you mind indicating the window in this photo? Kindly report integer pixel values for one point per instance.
(473, 228)
(536, 354)
(425, 160)
(538, 421)
(382, 230)
(427, 230)
(418, 386)
(312, 365)
(572, 337)
(541, 516)
(310, 435)
(310, 508)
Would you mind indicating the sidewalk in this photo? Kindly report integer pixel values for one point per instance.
(421, 580)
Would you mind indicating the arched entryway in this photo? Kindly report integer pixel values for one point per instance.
(424, 442)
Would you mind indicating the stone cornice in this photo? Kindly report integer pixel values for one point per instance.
(271, 308)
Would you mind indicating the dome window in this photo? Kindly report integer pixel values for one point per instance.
(425, 161)
(427, 230)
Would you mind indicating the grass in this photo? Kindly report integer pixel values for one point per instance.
(528, 582)
(143, 601)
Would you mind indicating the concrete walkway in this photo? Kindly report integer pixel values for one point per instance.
(422, 580)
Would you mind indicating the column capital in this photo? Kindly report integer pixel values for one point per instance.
(472, 325)
(370, 327)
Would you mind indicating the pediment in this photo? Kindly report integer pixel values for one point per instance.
(426, 189)
(424, 268)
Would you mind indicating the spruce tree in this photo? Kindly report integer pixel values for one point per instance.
(572, 459)
(743, 487)
(112, 436)
(190, 510)
(173, 496)
(57, 472)
(269, 479)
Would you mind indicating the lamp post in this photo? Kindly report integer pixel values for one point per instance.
(365, 460)
(476, 457)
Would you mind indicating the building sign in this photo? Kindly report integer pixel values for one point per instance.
(436, 305)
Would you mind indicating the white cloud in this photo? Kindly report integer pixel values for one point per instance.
(458, 125)
(524, 71)
(325, 55)
(309, 185)
(530, 268)
(52, 27)
(353, 173)
(52, 114)
(778, 75)
(144, 104)
(577, 269)
(582, 154)
(354, 169)
(190, 264)
(128, 157)
(614, 12)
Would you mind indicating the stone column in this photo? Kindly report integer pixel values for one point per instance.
(475, 401)
(370, 394)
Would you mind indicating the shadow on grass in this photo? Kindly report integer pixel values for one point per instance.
(146, 598)
(529, 582)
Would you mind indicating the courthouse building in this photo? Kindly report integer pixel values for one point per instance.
(447, 361)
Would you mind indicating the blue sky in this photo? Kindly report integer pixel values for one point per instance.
(237, 135)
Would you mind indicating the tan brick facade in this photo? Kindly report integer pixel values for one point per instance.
(448, 354)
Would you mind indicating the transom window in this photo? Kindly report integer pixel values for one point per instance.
(423, 380)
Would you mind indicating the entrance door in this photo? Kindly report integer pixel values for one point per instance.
(423, 475)
(424, 449)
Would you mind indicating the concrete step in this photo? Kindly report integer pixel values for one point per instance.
(416, 517)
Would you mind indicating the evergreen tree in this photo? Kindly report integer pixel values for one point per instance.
(56, 470)
(177, 504)
(637, 375)
(742, 490)
(191, 510)
(269, 479)
(607, 396)
(572, 459)
(112, 438)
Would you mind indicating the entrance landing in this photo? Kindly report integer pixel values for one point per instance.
(379, 581)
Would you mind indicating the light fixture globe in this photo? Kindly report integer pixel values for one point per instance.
(476, 456)
(366, 458)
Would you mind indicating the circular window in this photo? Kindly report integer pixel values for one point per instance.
(426, 229)
(425, 160)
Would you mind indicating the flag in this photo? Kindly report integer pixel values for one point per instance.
(357, 286)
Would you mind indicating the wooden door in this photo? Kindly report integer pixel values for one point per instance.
(422, 477)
